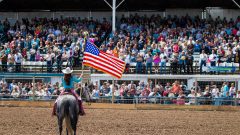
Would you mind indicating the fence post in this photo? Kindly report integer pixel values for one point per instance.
(33, 87)
(196, 100)
(136, 98)
(113, 90)
(235, 99)
(196, 90)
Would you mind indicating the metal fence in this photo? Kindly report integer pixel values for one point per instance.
(171, 100)
(170, 70)
(39, 67)
(140, 100)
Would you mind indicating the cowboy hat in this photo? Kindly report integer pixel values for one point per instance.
(67, 70)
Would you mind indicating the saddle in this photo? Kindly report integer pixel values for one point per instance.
(68, 93)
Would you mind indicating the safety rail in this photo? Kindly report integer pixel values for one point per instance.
(40, 67)
(36, 68)
(138, 100)
(132, 69)
(170, 100)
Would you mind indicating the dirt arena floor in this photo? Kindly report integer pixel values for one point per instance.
(38, 121)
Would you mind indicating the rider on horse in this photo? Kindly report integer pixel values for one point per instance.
(68, 84)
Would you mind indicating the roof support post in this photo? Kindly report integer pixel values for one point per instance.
(113, 15)
(236, 3)
(114, 7)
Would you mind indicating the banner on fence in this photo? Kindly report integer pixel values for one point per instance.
(220, 69)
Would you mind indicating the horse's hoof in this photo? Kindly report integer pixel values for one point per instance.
(82, 114)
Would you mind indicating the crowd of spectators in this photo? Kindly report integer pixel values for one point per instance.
(169, 93)
(52, 40)
(145, 41)
(156, 40)
(26, 90)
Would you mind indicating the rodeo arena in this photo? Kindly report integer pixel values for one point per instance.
(120, 67)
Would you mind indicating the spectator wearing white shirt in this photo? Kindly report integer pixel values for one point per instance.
(192, 98)
(214, 91)
(163, 62)
(116, 91)
(213, 59)
(95, 93)
(18, 61)
(65, 56)
(70, 55)
(154, 96)
(149, 59)
(190, 41)
(238, 32)
(46, 94)
(15, 93)
(32, 54)
(234, 50)
(73, 46)
(48, 58)
(127, 61)
(202, 60)
(232, 90)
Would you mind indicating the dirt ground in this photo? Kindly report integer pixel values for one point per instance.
(38, 121)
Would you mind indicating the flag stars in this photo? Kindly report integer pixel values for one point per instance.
(92, 49)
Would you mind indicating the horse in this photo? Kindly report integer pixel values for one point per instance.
(86, 94)
(68, 110)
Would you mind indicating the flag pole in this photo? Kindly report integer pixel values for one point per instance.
(83, 49)
(81, 82)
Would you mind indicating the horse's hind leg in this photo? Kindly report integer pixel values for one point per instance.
(74, 121)
(74, 127)
(60, 122)
(66, 131)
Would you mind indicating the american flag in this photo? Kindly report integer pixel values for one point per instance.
(102, 61)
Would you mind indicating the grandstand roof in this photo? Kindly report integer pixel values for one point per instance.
(100, 5)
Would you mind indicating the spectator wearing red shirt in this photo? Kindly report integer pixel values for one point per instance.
(234, 31)
(160, 38)
(176, 48)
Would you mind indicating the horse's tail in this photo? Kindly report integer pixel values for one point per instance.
(67, 108)
(71, 117)
(68, 124)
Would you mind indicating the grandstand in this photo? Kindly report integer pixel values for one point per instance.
(160, 41)
(178, 54)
